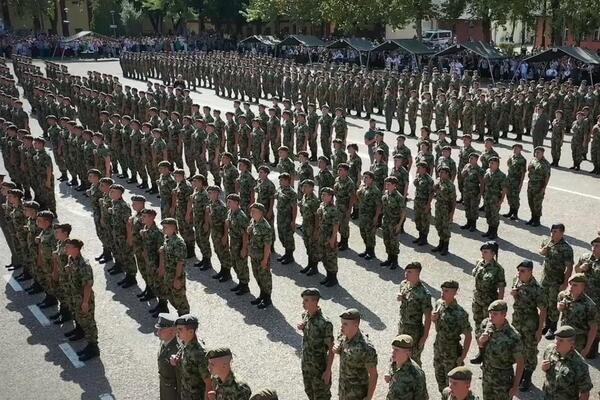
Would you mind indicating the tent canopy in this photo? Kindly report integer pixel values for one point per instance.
(302, 40)
(577, 53)
(260, 39)
(411, 46)
(482, 49)
(83, 34)
(357, 44)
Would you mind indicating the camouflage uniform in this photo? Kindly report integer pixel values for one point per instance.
(286, 201)
(80, 275)
(261, 234)
(200, 201)
(408, 383)
(567, 377)
(166, 186)
(152, 240)
(237, 224)
(580, 313)
(538, 173)
(316, 340)
(231, 388)
(494, 183)
(489, 277)
(393, 205)
(516, 171)
(559, 256)
(529, 298)
(345, 190)
(182, 193)
(120, 212)
(445, 201)
(357, 356)
(423, 193)
(471, 192)
(369, 200)
(415, 302)
(327, 217)
(218, 216)
(193, 370)
(175, 251)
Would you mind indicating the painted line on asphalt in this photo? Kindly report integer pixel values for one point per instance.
(71, 355)
(13, 283)
(106, 396)
(39, 315)
(573, 192)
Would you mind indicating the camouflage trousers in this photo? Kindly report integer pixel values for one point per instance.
(239, 263)
(442, 221)
(202, 240)
(538, 138)
(492, 212)
(416, 333)
(177, 297)
(367, 230)
(595, 154)
(222, 251)
(288, 141)
(201, 165)
(390, 239)
(314, 387)
(551, 292)
(535, 198)
(389, 117)
(185, 230)
(328, 256)
(43, 274)
(345, 213)
(400, 116)
(8, 235)
(326, 144)
(352, 390)
(285, 233)
(422, 215)
(311, 242)
(275, 143)
(480, 312)
(453, 129)
(577, 150)
(165, 207)
(263, 276)
(140, 168)
(496, 383)
(215, 171)
(142, 265)
(512, 194)
(60, 163)
(86, 321)
(122, 253)
(312, 143)
(412, 123)
(426, 120)
(471, 204)
(527, 326)
(445, 356)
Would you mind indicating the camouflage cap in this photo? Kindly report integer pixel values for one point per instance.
(526, 263)
(539, 148)
(565, 331)
(219, 352)
(403, 342)
(138, 197)
(595, 240)
(164, 163)
(34, 205)
(308, 182)
(324, 159)
(422, 164)
(461, 374)
(474, 155)
(327, 190)
(351, 314)
(498, 305)
(578, 278)
(169, 221)
(517, 145)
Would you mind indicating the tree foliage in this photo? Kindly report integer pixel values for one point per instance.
(581, 17)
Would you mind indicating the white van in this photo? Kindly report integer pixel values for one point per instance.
(437, 38)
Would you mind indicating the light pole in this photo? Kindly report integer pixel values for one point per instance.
(113, 26)
(66, 22)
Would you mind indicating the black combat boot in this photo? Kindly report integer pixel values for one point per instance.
(551, 329)
(161, 305)
(92, 352)
(370, 253)
(387, 262)
(307, 268)
(148, 296)
(493, 233)
(364, 253)
(418, 238)
(394, 263)
(332, 280)
(487, 234)
(444, 250)
(438, 247)
(473, 226)
(536, 221)
(343, 245)
(525, 383)
(509, 213)
(101, 256)
(48, 302)
(190, 250)
(423, 241)
(243, 289)
(467, 225)
(258, 300)
(265, 302)
(107, 258)
(327, 278)
(314, 269)
(129, 281)
(479, 358)
(75, 331)
(225, 276)
(289, 258)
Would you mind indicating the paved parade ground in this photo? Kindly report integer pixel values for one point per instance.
(36, 360)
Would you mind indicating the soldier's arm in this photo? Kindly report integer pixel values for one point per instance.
(108, 166)
(518, 375)
(129, 228)
(372, 382)
(189, 210)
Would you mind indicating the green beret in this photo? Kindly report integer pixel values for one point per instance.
(578, 277)
(403, 137)
(187, 320)
(328, 190)
(489, 139)
(149, 211)
(344, 166)
(137, 197)
(302, 153)
(74, 242)
(213, 188)
(258, 206)
(451, 284)
(526, 264)
(311, 292)
(350, 314)
(34, 205)
(234, 197)
(422, 164)
(467, 136)
(370, 174)
(118, 187)
(165, 320)
(51, 117)
(447, 148)
(414, 265)
(391, 179)
(541, 148)
(494, 158)
(227, 154)
(169, 221)
(245, 161)
(565, 331)
(219, 352)
(399, 156)
(517, 145)
(403, 342)
(474, 154)
(265, 394)
(164, 164)
(308, 182)
(460, 374)
(596, 240)
(444, 168)
(325, 159)
(498, 305)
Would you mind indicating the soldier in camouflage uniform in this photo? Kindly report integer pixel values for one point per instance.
(415, 309)
(558, 266)
(358, 359)
(119, 213)
(489, 286)
(309, 204)
(514, 180)
(345, 198)
(566, 372)
(41, 242)
(557, 128)
(245, 184)
(152, 239)
(224, 381)
(528, 317)
(191, 360)
(236, 226)
(459, 387)
(369, 202)
(166, 184)
(171, 269)
(260, 241)
(451, 321)
(393, 204)
(445, 204)
(494, 190)
(217, 220)
(503, 348)
(538, 172)
(422, 203)
(325, 132)
(317, 344)
(265, 193)
(135, 224)
(589, 265)
(199, 203)
(412, 107)
(179, 208)
(287, 209)
(407, 380)
(327, 226)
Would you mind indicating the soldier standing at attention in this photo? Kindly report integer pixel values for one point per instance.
(422, 204)
(589, 265)
(369, 138)
(407, 381)
(412, 107)
(566, 372)
(152, 239)
(217, 221)
(171, 269)
(181, 195)
(324, 177)
(135, 225)
(463, 159)
(261, 237)
(235, 226)
(119, 212)
(229, 173)
(168, 379)
(558, 133)
(369, 202)
(578, 135)
(459, 387)
(392, 204)
(265, 192)
(415, 309)
(327, 226)
(489, 286)
(191, 360)
(225, 384)
(287, 209)
(345, 195)
(528, 321)
(81, 280)
(558, 266)
(451, 321)
(445, 204)
(472, 189)
(166, 184)
(503, 348)
(358, 360)
(198, 203)
(539, 126)
(389, 108)
(494, 190)
(514, 181)
(578, 310)
(309, 204)
(325, 130)
(317, 344)
(538, 173)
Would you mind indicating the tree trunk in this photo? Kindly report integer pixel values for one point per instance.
(486, 26)
(6, 14)
(557, 23)
(419, 28)
(63, 15)
(90, 13)
(544, 16)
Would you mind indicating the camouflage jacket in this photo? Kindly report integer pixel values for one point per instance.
(415, 301)
(408, 383)
(567, 377)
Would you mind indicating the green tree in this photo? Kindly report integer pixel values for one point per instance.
(38, 10)
(581, 17)
(130, 17)
(102, 17)
(178, 11)
(402, 12)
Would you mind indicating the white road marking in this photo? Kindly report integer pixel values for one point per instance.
(39, 315)
(573, 192)
(106, 396)
(13, 283)
(71, 355)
